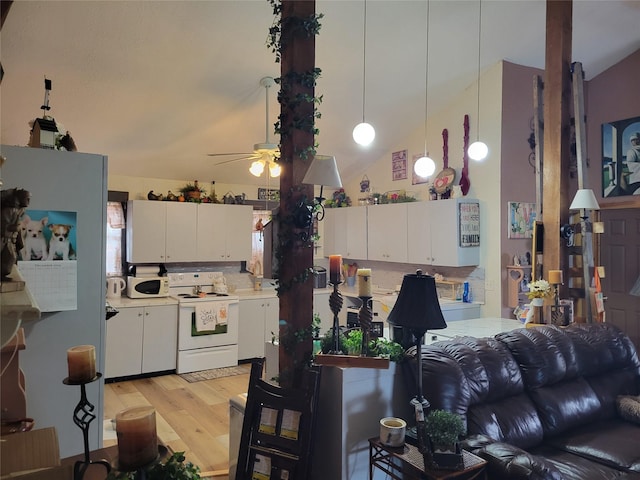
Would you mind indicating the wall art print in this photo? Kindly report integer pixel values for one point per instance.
(399, 165)
(621, 158)
(522, 216)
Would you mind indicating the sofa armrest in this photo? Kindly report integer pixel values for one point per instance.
(506, 461)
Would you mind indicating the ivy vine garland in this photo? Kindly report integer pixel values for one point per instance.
(281, 33)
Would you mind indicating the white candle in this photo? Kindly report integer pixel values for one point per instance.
(82, 363)
(137, 438)
(364, 282)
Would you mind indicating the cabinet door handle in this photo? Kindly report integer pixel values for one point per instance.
(139, 314)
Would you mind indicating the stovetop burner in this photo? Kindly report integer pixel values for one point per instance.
(209, 294)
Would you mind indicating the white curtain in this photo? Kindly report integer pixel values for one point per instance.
(115, 230)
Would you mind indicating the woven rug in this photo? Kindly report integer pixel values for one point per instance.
(215, 373)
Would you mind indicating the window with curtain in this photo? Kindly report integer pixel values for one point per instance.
(260, 219)
(115, 238)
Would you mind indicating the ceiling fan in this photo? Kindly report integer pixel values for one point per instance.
(263, 153)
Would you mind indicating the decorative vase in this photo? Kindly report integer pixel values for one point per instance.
(537, 302)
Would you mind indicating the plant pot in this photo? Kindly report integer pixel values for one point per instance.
(447, 460)
(193, 195)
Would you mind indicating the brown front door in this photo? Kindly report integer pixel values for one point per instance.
(620, 255)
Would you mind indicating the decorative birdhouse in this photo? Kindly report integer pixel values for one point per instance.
(43, 133)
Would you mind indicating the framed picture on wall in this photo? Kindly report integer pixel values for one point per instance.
(399, 165)
(522, 216)
(621, 157)
(415, 178)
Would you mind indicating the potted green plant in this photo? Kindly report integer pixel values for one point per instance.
(173, 468)
(192, 191)
(444, 429)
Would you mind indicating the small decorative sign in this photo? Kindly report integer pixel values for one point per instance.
(415, 178)
(399, 165)
(469, 217)
(269, 194)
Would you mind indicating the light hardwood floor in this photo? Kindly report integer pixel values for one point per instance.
(190, 417)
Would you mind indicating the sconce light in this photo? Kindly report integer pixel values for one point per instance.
(364, 133)
(425, 166)
(478, 150)
(584, 200)
(322, 171)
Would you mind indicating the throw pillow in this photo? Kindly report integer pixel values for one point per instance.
(629, 407)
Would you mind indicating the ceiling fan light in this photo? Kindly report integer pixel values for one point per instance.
(363, 134)
(257, 168)
(478, 151)
(424, 166)
(274, 169)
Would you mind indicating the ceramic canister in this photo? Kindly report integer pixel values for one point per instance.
(392, 431)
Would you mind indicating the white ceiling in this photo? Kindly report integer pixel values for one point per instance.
(156, 85)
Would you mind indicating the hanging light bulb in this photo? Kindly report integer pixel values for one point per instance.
(274, 169)
(257, 168)
(364, 133)
(425, 166)
(478, 150)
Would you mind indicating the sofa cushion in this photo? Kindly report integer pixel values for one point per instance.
(575, 467)
(615, 443)
(565, 405)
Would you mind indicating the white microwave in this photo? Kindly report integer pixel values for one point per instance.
(145, 287)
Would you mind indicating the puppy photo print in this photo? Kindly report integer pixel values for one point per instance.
(48, 258)
(48, 235)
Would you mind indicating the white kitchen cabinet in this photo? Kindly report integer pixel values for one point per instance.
(160, 338)
(387, 232)
(258, 319)
(141, 340)
(224, 232)
(161, 232)
(345, 232)
(434, 235)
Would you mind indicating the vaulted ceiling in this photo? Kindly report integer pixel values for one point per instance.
(157, 85)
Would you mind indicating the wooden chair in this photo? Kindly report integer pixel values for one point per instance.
(277, 431)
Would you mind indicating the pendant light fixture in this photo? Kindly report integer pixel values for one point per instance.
(425, 166)
(478, 150)
(364, 133)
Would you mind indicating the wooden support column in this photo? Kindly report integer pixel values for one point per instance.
(296, 259)
(557, 103)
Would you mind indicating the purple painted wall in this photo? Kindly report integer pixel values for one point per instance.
(612, 95)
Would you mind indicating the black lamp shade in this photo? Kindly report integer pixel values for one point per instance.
(417, 307)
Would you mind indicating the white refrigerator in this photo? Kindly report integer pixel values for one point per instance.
(76, 183)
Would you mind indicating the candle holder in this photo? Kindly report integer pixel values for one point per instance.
(142, 470)
(365, 317)
(82, 417)
(335, 304)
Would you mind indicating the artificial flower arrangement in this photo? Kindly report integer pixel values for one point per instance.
(539, 289)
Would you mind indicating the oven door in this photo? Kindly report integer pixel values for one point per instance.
(189, 338)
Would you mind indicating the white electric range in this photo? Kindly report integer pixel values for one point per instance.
(207, 322)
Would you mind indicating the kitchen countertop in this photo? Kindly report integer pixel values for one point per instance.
(474, 327)
(124, 302)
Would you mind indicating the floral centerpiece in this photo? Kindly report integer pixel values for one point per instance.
(539, 289)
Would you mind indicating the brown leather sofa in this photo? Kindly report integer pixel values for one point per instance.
(540, 403)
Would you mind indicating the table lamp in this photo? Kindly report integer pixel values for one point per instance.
(417, 310)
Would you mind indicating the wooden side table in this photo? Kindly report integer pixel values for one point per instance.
(407, 463)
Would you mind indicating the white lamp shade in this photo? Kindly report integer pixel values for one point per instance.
(424, 166)
(257, 168)
(584, 199)
(274, 169)
(363, 134)
(323, 171)
(478, 151)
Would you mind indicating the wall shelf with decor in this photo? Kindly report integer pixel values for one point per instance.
(517, 277)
